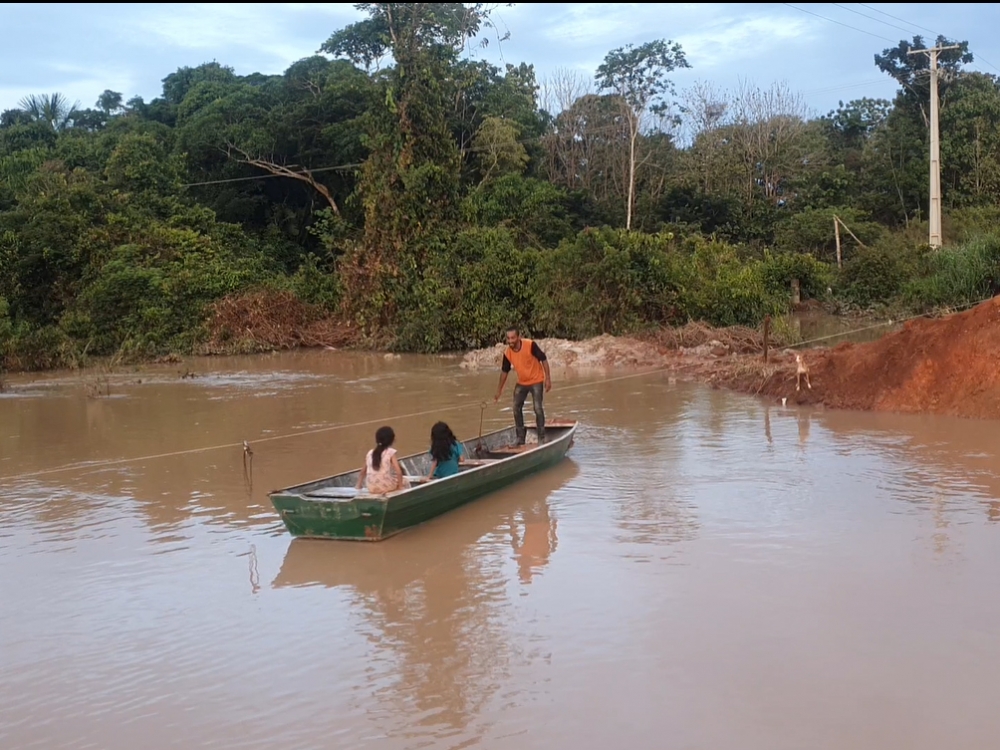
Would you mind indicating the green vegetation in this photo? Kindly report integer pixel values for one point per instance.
(424, 200)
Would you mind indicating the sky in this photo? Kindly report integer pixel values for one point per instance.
(822, 50)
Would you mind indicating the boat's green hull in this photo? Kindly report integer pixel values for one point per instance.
(375, 518)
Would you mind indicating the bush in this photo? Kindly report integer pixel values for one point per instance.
(124, 301)
(6, 326)
(152, 302)
(316, 285)
(609, 281)
(814, 276)
(470, 291)
(536, 211)
(493, 289)
(957, 276)
(812, 231)
(722, 289)
(43, 348)
(606, 281)
(967, 224)
(874, 276)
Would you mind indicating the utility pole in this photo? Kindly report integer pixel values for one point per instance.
(935, 189)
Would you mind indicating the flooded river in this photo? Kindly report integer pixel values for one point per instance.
(703, 571)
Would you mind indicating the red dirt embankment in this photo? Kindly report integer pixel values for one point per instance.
(932, 366)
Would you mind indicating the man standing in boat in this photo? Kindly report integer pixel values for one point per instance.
(533, 376)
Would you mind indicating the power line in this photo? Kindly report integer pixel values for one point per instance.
(268, 176)
(872, 18)
(903, 20)
(840, 23)
(916, 26)
(830, 89)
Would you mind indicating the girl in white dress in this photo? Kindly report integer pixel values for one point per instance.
(382, 473)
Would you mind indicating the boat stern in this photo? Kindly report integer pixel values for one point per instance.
(361, 519)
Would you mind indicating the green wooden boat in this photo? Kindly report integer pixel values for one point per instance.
(332, 508)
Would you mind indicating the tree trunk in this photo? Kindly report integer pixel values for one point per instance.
(631, 170)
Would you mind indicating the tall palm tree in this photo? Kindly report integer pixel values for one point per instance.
(52, 109)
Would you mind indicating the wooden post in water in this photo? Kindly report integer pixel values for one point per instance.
(767, 333)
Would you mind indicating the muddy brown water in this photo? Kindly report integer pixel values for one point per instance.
(818, 328)
(704, 571)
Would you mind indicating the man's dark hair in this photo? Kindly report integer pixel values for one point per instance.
(514, 329)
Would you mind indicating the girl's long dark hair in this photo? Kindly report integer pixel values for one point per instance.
(384, 437)
(442, 442)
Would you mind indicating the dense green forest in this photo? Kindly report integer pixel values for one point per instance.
(425, 200)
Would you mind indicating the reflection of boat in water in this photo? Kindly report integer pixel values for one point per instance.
(332, 508)
(414, 556)
(435, 601)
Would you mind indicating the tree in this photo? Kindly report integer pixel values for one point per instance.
(704, 110)
(767, 130)
(852, 124)
(110, 102)
(481, 90)
(177, 85)
(911, 71)
(562, 88)
(894, 167)
(410, 182)
(11, 117)
(289, 126)
(970, 148)
(638, 76)
(405, 29)
(52, 109)
(498, 150)
(587, 150)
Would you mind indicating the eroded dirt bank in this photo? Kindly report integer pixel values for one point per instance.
(935, 366)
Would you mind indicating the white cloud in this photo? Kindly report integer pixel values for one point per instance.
(722, 43)
(80, 50)
(215, 26)
(81, 84)
(594, 23)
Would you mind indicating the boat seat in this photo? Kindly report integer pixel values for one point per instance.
(335, 493)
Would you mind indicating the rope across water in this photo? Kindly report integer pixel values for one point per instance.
(300, 433)
(241, 444)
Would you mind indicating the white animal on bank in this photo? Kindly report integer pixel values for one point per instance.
(801, 370)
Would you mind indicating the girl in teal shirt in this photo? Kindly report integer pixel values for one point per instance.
(446, 452)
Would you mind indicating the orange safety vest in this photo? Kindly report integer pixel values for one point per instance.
(529, 370)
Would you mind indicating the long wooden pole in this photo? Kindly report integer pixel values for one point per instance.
(848, 230)
(836, 233)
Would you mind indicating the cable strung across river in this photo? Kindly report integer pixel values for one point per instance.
(271, 438)
(243, 444)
